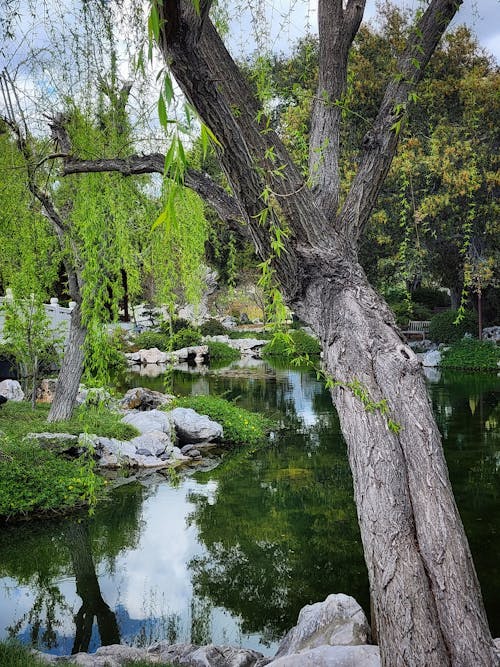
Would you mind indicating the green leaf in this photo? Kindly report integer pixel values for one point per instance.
(154, 22)
(168, 88)
(162, 111)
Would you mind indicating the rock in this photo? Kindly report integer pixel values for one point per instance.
(192, 427)
(156, 442)
(194, 454)
(11, 390)
(189, 655)
(152, 420)
(492, 333)
(244, 319)
(186, 449)
(114, 453)
(46, 390)
(57, 442)
(431, 359)
(140, 398)
(153, 356)
(339, 620)
(332, 656)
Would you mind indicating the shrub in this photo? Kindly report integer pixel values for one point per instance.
(443, 330)
(241, 427)
(472, 355)
(222, 352)
(36, 480)
(431, 297)
(295, 343)
(149, 339)
(186, 338)
(177, 324)
(261, 335)
(420, 312)
(213, 328)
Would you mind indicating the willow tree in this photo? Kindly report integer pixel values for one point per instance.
(427, 600)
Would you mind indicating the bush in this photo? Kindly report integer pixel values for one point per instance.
(36, 480)
(431, 297)
(213, 328)
(222, 352)
(443, 330)
(149, 339)
(178, 323)
(241, 427)
(260, 335)
(295, 343)
(420, 312)
(186, 338)
(469, 354)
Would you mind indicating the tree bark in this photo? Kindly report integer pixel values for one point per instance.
(426, 595)
(71, 370)
(421, 572)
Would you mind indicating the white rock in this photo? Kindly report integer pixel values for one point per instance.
(153, 356)
(339, 620)
(192, 427)
(11, 389)
(140, 398)
(431, 359)
(156, 441)
(152, 420)
(332, 656)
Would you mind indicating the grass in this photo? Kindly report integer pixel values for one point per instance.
(18, 419)
(36, 481)
(241, 427)
(222, 352)
(13, 654)
(471, 354)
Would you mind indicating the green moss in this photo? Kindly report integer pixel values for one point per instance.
(222, 352)
(241, 427)
(470, 354)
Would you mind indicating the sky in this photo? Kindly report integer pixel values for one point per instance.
(290, 18)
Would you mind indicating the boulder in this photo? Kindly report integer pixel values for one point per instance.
(189, 655)
(114, 453)
(153, 356)
(192, 427)
(152, 420)
(140, 398)
(11, 390)
(46, 390)
(332, 656)
(59, 443)
(338, 621)
(157, 442)
(492, 333)
(431, 359)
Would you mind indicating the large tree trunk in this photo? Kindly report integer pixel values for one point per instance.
(427, 599)
(71, 370)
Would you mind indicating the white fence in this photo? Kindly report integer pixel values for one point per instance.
(59, 316)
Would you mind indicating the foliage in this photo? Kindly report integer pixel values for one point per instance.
(261, 335)
(430, 297)
(443, 328)
(13, 654)
(213, 327)
(222, 352)
(295, 343)
(241, 427)
(36, 480)
(174, 325)
(470, 354)
(186, 338)
(18, 419)
(149, 339)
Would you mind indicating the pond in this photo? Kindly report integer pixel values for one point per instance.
(231, 555)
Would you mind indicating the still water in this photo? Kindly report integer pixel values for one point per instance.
(231, 555)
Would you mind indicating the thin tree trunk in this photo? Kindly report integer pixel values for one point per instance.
(71, 370)
(427, 598)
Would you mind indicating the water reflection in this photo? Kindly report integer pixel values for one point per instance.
(231, 555)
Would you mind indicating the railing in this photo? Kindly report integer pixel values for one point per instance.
(59, 316)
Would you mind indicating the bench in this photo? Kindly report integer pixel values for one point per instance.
(417, 328)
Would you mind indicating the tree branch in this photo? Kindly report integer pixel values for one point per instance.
(380, 142)
(337, 29)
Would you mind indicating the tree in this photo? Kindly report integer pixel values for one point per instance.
(307, 233)
(421, 574)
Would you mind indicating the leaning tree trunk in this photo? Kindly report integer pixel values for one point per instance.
(71, 370)
(428, 605)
